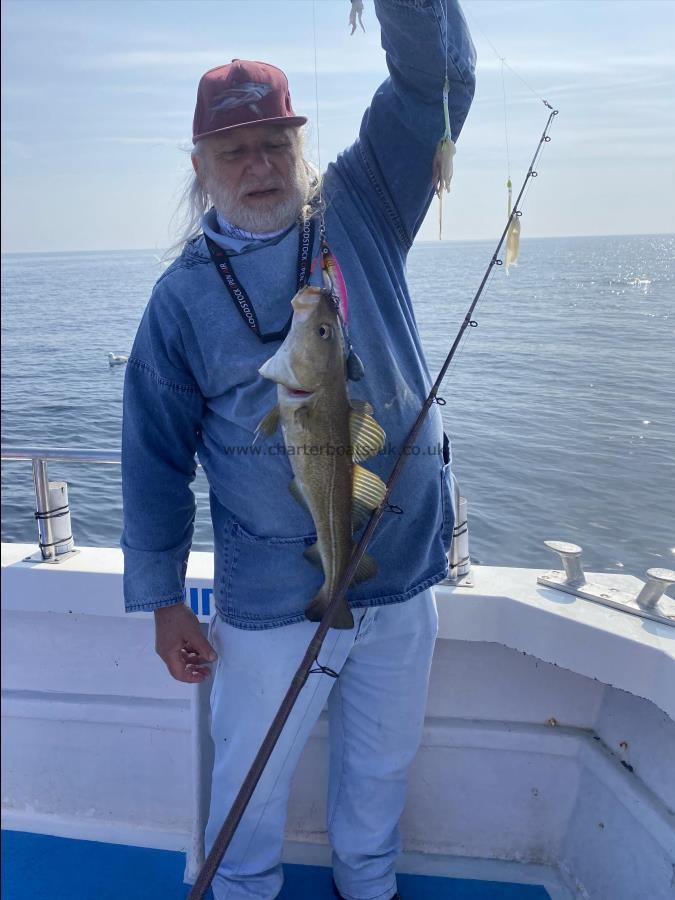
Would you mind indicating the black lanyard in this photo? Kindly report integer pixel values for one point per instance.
(236, 290)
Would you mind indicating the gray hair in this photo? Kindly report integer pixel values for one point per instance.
(194, 201)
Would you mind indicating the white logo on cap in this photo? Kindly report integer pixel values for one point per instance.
(246, 94)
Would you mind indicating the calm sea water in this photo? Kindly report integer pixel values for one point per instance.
(560, 405)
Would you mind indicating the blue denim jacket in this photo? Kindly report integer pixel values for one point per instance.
(192, 382)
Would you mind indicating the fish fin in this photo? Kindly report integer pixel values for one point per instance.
(301, 415)
(318, 605)
(312, 555)
(366, 435)
(362, 406)
(297, 494)
(269, 424)
(360, 514)
(367, 568)
(368, 489)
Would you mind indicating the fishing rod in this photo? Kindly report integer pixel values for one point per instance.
(311, 656)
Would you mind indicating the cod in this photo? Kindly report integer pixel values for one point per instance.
(326, 438)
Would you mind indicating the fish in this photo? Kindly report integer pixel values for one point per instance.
(327, 437)
(245, 94)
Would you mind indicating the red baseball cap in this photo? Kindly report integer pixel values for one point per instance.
(242, 93)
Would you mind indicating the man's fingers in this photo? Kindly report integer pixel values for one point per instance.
(179, 641)
(188, 655)
(177, 669)
(187, 672)
(199, 644)
(197, 673)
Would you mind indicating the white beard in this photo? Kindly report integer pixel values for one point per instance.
(266, 217)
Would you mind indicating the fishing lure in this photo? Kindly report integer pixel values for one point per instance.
(333, 280)
(512, 236)
(356, 12)
(442, 164)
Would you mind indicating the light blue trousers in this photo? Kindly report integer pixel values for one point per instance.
(376, 711)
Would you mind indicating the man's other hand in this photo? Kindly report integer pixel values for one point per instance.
(181, 644)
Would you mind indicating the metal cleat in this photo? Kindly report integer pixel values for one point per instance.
(569, 555)
(573, 581)
(651, 593)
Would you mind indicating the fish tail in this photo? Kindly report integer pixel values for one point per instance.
(318, 606)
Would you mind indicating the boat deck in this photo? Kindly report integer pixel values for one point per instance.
(42, 867)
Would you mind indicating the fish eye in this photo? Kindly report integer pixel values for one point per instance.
(325, 331)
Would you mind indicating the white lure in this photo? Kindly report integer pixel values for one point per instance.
(512, 237)
(356, 12)
(442, 167)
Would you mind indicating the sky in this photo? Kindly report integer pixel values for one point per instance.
(98, 98)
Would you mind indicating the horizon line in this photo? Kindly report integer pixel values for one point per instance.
(557, 237)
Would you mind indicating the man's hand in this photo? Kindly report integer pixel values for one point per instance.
(181, 644)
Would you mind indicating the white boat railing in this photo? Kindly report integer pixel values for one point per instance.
(56, 542)
(56, 546)
(61, 454)
(52, 511)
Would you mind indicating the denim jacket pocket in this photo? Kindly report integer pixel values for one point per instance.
(265, 578)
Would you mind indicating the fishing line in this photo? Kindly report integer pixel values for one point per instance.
(445, 44)
(513, 236)
(513, 232)
(442, 165)
(506, 127)
(318, 126)
(503, 61)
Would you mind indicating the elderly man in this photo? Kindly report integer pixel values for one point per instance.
(192, 386)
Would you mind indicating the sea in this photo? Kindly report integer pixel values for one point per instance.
(560, 404)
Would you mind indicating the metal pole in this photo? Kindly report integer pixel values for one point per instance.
(45, 529)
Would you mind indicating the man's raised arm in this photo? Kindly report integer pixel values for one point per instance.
(404, 123)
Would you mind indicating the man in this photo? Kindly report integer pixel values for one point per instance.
(193, 386)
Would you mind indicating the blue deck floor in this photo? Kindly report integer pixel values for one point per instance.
(39, 867)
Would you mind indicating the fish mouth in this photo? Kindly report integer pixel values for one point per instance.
(295, 393)
(278, 368)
